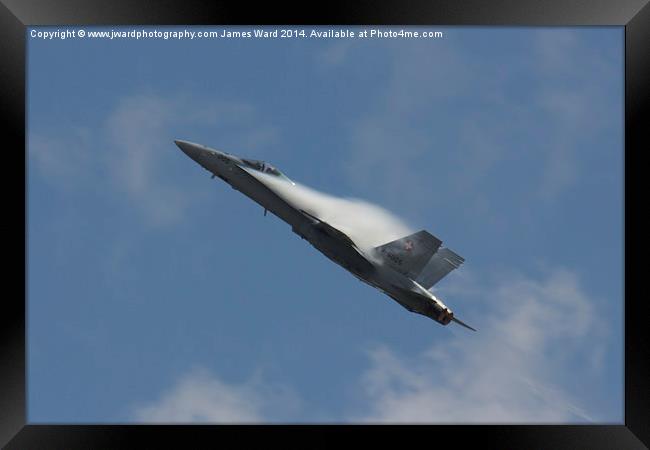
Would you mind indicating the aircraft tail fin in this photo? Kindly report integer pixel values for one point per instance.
(441, 263)
(410, 254)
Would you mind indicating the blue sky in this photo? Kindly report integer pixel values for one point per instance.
(156, 294)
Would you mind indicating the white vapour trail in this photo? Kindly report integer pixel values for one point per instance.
(366, 224)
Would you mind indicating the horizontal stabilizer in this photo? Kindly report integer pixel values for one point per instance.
(441, 263)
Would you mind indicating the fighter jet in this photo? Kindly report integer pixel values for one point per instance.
(404, 269)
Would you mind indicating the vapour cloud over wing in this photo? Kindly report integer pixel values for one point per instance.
(368, 225)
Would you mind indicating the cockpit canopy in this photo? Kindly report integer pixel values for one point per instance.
(264, 167)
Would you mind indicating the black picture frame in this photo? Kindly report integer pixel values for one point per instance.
(634, 15)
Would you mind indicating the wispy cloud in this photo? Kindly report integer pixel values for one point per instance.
(538, 114)
(577, 92)
(202, 397)
(396, 135)
(126, 150)
(335, 54)
(530, 331)
(135, 134)
(63, 160)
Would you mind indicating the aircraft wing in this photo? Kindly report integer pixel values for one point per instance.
(354, 255)
(330, 230)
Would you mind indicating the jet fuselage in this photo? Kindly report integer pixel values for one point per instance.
(337, 246)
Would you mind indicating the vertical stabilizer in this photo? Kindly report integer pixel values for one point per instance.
(409, 254)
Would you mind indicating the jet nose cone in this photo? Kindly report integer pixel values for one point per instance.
(189, 148)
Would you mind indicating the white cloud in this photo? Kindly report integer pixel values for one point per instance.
(128, 149)
(201, 397)
(555, 49)
(532, 336)
(122, 151)
(64, 161)
(335, 54)
(393, 139)
(135, 131)
(578, 92)
(542, 112)
(530, 333)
